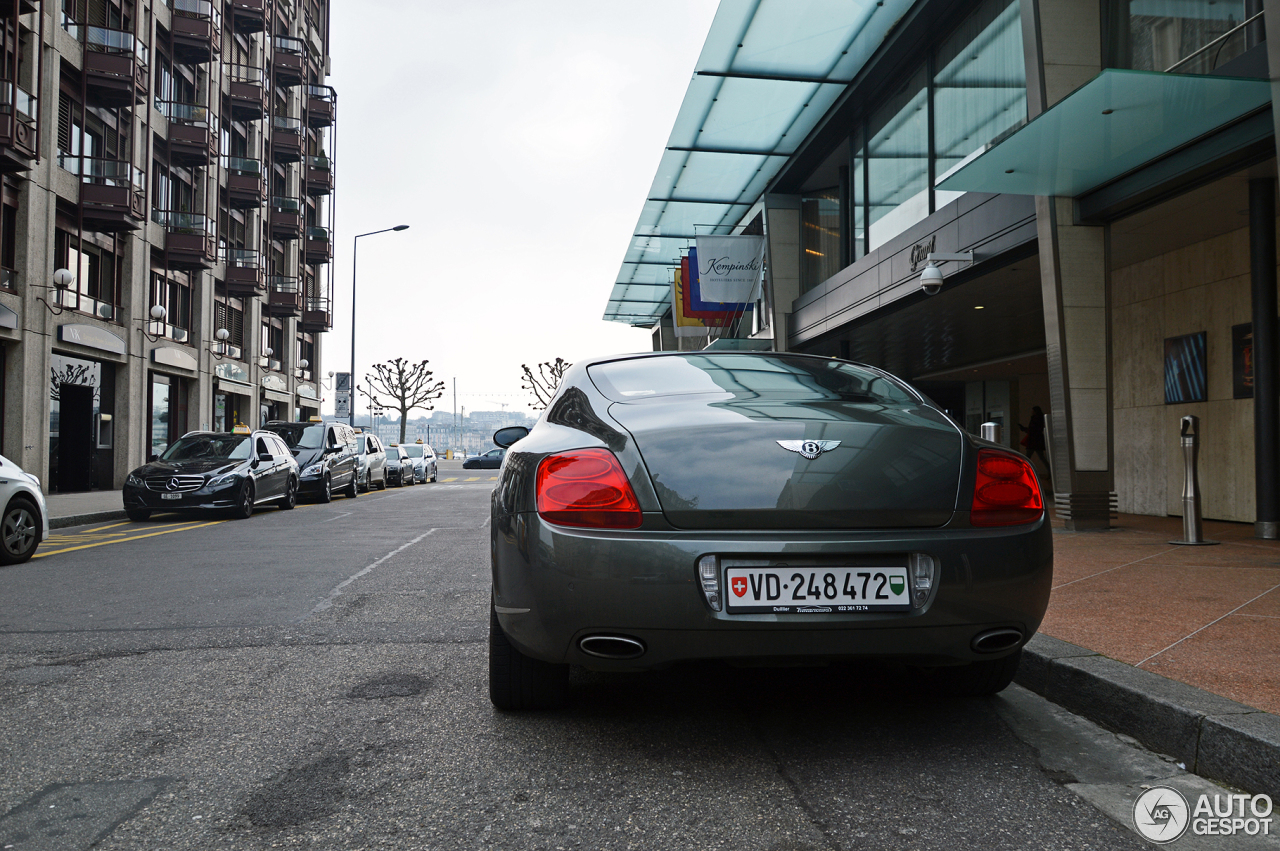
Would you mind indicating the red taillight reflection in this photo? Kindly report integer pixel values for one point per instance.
(1006, 492)
(586, 487)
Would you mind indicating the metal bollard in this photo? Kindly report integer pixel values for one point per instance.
(991, 432)
(1192, 528)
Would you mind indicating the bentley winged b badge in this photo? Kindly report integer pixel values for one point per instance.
(809, 449)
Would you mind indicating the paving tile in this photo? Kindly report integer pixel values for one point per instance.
(1137, 610)
(1235, 658)
(1267, 606)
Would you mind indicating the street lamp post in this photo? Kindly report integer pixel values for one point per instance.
(355, 245)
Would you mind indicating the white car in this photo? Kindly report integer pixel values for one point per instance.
(25, 522)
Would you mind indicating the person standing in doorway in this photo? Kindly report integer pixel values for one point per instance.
(1033, 440)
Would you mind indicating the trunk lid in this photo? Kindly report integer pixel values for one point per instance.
(716, 462)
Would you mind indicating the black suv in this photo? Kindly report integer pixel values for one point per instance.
(326, 454)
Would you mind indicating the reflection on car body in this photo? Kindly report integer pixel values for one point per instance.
(205, 470)
(778, 507)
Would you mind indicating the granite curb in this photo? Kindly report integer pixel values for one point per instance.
(82, 519)
(1212, 736)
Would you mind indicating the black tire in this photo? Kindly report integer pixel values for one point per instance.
(138, 515)
(289, 501)
(352, 490)
(19, 531)
(382, 485)
(365, 487)
(517, 681)
(244, 501)
(326, 490)
(979, 679)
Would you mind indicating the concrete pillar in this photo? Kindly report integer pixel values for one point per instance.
(1074, 277)
(782, 258)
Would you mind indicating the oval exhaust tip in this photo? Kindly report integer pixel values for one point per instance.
(611, 647)
(995, 640)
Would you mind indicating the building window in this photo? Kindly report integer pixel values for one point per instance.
(820, 234)
(1174, 35)
(173, 293)
(980, 88)
(272, 338)
(97, 286)
(898, 161)
(229, 313)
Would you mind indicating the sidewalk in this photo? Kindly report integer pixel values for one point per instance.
(1178, 647)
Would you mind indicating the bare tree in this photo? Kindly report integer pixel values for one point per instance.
(545, 382)
(408, 385)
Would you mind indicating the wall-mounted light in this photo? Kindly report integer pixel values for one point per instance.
(62, 279)
(220, 351)
(158, 314)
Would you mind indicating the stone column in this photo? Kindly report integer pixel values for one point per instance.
(1074, 278)
(782, 257)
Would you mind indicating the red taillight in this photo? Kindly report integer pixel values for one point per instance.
(1006, 491)
(586, 487)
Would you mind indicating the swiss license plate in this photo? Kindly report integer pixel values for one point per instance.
(809, 590)
(171, 496)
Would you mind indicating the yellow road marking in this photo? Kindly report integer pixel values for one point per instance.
(181, 528)
(454, 479)
(472, 479)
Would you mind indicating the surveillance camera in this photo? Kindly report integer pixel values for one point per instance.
(931, 279)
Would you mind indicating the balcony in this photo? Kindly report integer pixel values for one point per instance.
(286, 218)
(189, 241)
(288, 60)
(112, 193)
(25, 7)
(321, 102)
(18, 127)
(317, 247)
(284, 298)
(246, 184)
(248, 92)
(115, 64)
(318, 175)
(317, 315)
(193, 133)
(286, 139)
(197, 30)
(244, 272)
(249, 16)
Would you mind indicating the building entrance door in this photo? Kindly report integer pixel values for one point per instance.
(75, 438)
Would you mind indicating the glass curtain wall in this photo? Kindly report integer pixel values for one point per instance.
(1175, 35)
(969, 91)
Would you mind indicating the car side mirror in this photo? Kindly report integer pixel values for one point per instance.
(265, 456)
(504, 437)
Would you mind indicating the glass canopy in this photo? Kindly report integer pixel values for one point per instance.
(1111, 125)
(768, 72)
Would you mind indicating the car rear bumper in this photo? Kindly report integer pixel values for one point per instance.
(554, 586)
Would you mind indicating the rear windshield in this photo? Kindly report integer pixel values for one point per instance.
(748, 375)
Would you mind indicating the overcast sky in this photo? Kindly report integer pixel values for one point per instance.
(518, 141)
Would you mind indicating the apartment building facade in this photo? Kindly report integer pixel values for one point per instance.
(166, 211)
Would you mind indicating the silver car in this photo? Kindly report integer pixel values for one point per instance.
(371, 461)
(25, 522)
(424, 460)
(757, 508)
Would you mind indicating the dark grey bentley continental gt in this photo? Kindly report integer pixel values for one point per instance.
(757, 508)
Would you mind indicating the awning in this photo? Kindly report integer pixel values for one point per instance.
(768, 72)
(1116, 122)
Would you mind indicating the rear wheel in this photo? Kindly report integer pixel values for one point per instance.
(364, 483)
(138, 515)
(382, 485)
(21, 533)
(290, 499)
(978, 679)
(326, 489)
(353, 490)
(517, 681)
(244, 501)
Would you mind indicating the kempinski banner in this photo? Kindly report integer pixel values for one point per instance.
(729, 267)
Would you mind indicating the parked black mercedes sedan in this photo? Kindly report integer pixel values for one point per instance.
(205, 470)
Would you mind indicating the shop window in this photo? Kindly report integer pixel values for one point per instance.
(8, 245)
(1174, 35)
(166, 412)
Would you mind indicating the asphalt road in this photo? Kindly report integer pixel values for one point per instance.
(317, 679)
